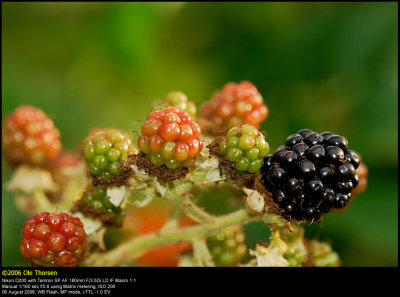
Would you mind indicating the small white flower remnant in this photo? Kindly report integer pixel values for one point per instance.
(271, 256)
(254, 200)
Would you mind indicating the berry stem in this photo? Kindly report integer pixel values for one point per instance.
(138, 245)
(174, 216)
(191, 209)
(201, 253)
(43, 204)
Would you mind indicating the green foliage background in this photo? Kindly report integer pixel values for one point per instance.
(323, 66)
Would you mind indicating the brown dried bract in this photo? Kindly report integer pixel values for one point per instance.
(270, 204)
(164, 174)
(106, 218)
(118, 179)
(228, 168)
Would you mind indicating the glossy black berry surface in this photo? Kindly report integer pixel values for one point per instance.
(311, 174)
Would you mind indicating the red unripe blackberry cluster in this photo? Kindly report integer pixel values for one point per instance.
(53, 239)
(170, 137)
(30, 137)
(236, 104)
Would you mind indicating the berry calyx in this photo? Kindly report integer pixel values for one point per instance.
(105, 151)
(246, 147)
(311, 174)
(30, 137)
(170, 138)
(235, 104)
(228, 247)
(53, 240)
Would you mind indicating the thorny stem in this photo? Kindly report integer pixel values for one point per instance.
(138, 245)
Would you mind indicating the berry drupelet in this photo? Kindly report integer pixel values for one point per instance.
(170, 137)
(311, 174)
(228, 247)
(235, 104)
(30, 137)
(105, 151)
(246, 147)
(53, 239)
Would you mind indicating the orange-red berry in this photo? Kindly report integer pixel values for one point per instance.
(176, 142)
(30, 137)
(235, 104)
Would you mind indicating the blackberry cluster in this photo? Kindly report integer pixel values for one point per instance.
(311, 174)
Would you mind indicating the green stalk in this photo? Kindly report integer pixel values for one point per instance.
(138, 245)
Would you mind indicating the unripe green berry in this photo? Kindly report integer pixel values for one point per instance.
(245, 142)
(105, 150)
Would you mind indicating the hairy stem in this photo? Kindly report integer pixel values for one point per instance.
(138, 245)
(43, 203)
(191, 209)
(202, 256)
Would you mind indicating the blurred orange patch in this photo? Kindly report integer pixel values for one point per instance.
(152, 218)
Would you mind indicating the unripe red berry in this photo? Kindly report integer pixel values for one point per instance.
(55, 239)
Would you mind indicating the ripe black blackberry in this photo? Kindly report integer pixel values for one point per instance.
(311, 174)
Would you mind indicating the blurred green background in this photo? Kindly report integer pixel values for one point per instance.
(323, 66)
